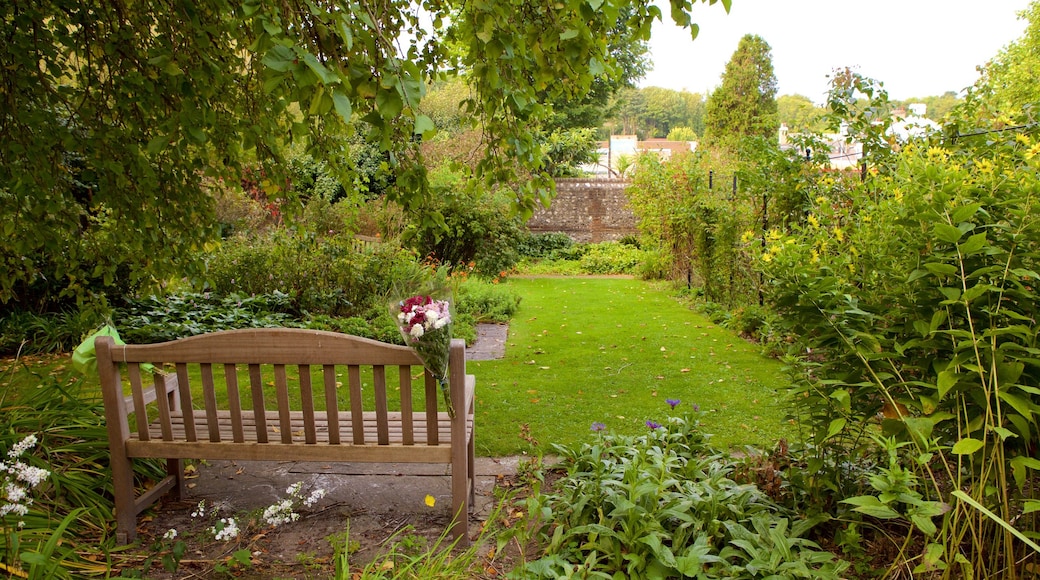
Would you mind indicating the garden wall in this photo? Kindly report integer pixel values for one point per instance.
(587, 210)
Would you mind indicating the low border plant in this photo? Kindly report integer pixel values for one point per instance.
(664, 505)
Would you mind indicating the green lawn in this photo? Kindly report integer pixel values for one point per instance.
(611, 350)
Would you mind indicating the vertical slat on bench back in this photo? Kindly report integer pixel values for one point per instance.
(256, 384)
(209, 399)
(357, 417)
(234, 403)
(331, 406)
(281, 385)
(407, 428)
(433, 436)
(184, 387)
(161, 400)
(307, 398)
(382, 424)
(133, 370)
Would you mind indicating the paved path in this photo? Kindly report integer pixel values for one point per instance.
(490, 344)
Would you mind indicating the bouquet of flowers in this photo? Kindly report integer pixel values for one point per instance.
(425, 324)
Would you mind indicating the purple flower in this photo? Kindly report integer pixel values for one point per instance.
(696, 408)
(653, 424)
(673, 403)
(597, 426)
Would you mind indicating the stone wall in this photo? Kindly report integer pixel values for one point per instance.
(587, 210)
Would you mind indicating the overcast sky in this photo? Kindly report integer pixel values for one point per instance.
(917, 48)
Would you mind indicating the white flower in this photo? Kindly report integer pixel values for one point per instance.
(170, 534)
(295, 488)
(441, 322)
(22, 446)
(280, 513)
(15, 493)
(200, 510)
(226, 529)
(314, 497)
(32, 475)
(417, 331)
(432, 316)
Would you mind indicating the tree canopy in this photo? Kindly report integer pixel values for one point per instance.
(745, 103)
(118, 113)
(1010, 82)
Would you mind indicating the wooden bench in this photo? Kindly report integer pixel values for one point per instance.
(307, 399)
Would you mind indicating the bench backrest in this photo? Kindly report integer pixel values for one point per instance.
(289, 375)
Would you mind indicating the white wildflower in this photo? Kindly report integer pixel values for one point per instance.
(15, 493)
(314, 497)
(32, 475)
(280, 513)
(22, 446)
(226, 529)
(200, 510)
(170, 534)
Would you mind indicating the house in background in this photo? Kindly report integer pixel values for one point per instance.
(614, 153)
(846, 153)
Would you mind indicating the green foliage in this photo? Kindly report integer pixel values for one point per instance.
(568, 258)
(487, 302)
(681, 134)
(744, 105)
(477, 231)
(30, 333)
(859, 106)
(541, 245)
(611, 258)
(159, 319)
(663, 505)
(1007, 86)
(72, 510)
(912, 298)
(698, 227)
(656, 112)
(119, 112)
(567, 149)
(320, 273)
(800, 114)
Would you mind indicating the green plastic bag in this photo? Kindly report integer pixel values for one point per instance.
(84, 359)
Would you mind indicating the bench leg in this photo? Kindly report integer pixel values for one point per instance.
(472, 472)
(175, 469)
(460, 478)
(123, 490)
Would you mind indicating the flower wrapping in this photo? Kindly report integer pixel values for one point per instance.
(425, 324)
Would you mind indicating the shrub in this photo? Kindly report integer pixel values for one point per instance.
(541, 245)
(611, 258)
(487, 302)
(479, 227)
(321, 275)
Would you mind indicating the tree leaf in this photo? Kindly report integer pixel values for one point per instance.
(967, 446)
(947, 233)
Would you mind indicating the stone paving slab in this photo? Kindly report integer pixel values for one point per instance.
(490, 344)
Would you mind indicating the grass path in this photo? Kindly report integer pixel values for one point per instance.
(611, 350)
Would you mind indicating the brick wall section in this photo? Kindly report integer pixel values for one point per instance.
(587, 210)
